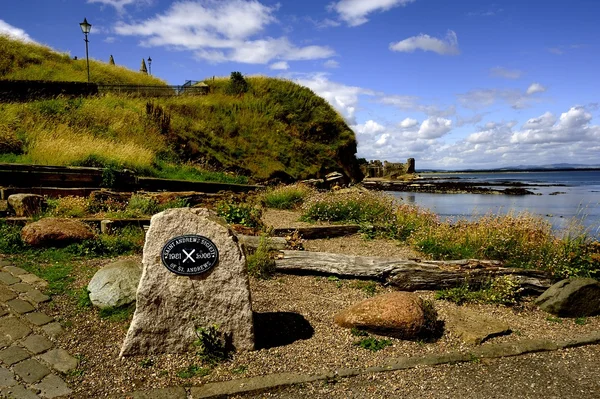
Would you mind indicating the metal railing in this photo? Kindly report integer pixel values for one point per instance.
(153, 91)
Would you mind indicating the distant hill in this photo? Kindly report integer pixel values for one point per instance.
(259, 127)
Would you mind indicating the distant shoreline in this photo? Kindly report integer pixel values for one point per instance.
(472, 171)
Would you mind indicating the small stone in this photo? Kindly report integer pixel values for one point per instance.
(53, 329)
(53, 386)
(6, 294)
(15, 271)
(11, 329)
(36, 296)
(56, 232)
(474, 328)
(576, 297)
(398, 314)
(26, 205)
(18, 392)
(31, 370)
(7, 378)
(60, 360)
(33, 279)
(20, 306)
(115, 284)
(8, 279)
(13, 354)
(21, 287)
(3, 310)
(37, 343)
(38, 318)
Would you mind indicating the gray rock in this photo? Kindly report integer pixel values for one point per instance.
(115, 284)
(473, 328)
(576, 297)
(169, 307)
(26, 205)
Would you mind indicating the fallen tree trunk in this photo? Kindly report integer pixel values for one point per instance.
(409, 274)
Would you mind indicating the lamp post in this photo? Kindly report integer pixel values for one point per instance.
(149, 66)
(86, 28)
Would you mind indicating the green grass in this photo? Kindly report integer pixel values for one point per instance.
(286, 197)
(259, 263)
(373, 344)
(117, 314)
(192, 371)
(275, 128)
(501, 290)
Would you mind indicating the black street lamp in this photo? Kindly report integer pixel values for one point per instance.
(149, 66)
(86, 28)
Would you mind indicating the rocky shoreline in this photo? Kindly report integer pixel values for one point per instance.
(447, 186)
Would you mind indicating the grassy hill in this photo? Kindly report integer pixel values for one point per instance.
(267, 128)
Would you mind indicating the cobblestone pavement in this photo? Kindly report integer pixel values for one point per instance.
(30, 364)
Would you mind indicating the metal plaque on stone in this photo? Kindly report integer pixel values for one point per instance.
(189, 255)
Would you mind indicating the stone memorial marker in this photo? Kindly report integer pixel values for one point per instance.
(194, 275)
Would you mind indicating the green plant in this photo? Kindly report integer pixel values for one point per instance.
(147, 363)
(83, 298)
(553, 319)
(244, 214)
(358, 332)
(368, 287)
(237, 84)
(212, 344)
(286, 197)
(503, 290)
(373, 344)
(240, 369)
(581, 321)
(117, 314)
(260, 264)
(10, 239)
(192, 371)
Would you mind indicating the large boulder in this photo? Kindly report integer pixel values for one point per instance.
(575, 297)
(56, 232)
(397, 314)
(26, 205)
(115, 284)
(171, 307)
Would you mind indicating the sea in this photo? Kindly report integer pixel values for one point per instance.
(563, 197)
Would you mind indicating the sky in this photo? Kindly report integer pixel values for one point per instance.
(454, 84)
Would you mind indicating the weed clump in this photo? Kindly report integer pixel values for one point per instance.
(244, 214)
(286, 197)
(212, 344)
(502, 290)
(260, 264)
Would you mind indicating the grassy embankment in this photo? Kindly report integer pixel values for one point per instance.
(269, 128)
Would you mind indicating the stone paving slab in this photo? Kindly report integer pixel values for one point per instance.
(38, 318)
(31, 370)
(24, 333)
(52, 386)
(13, 354)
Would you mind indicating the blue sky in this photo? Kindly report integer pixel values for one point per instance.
(453, 84)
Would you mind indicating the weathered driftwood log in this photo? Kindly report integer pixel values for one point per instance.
(313, 232)
(273, 243)
(409, 274)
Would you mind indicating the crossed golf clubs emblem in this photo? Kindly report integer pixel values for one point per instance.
(188, 256)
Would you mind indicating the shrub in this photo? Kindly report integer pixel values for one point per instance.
(260, 264)
(503, 290)
(237, 84)
(69, 206)
(128, 240)
(244, 214)
(349, 206)
(212, 344)
(286, 197)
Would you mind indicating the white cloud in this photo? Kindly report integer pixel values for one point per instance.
(354, 12)
(370, 127)
(535, 88)
(220, 31)
(110, 39)
(331, 64)
(572, 126)
(281, 65)
(434, 128)
(119, 5)
(500, 72)
(446, 46)
(342, 97)
(14, 32)
(413, 103)
(408, 123)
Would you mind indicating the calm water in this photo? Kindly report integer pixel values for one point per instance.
(579, 198)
